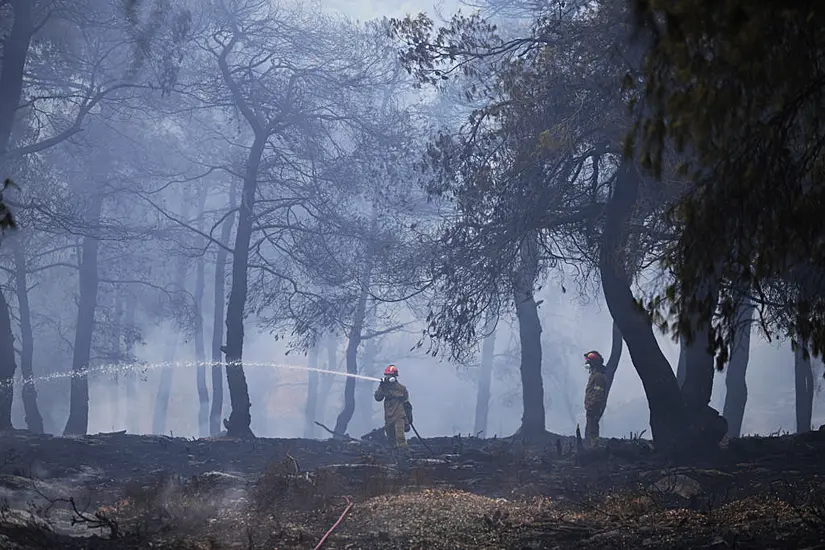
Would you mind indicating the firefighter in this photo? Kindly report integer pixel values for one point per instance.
(595, 395)
(397, 407)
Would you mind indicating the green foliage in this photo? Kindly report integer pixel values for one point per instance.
(738, 88)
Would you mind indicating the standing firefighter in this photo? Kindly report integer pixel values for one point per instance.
(397, 407)
(595, 395)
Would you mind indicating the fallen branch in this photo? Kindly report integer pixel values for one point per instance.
(334, 433)
(340, 519)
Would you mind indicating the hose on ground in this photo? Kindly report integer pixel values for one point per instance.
(340, 519)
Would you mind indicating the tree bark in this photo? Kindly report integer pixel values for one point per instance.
(668, 420)
(681, 367)
(218, 319)
(612, 364)
(364, 389)
(15, 52)
(353, 341)
(532, 386)
(200, 346)
(736, 395)
(7, 364)
(78, 421)
(238, 424)
(310, 415)
(700, 359)
(485, 376)
(804, 385)
(34, 420)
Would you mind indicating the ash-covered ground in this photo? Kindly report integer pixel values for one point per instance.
(126, 491)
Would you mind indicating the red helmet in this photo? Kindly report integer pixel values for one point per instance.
(593, 357)
(391, 370)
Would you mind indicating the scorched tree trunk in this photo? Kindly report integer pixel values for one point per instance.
(7, 364)
(529, 328)
(34, 420)
(216, 407)
(804, 385)
(736, 395)
(240, 419)
(668, 420)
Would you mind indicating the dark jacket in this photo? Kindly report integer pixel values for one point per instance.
(595, 395)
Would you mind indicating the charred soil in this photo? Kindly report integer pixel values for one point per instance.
(124, 491)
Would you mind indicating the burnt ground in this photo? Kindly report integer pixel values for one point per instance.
(125, 491)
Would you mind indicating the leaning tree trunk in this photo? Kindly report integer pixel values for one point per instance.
(7, 364)
(78, 421)
(612, 364)
(218, 319)
(167, 372)
(485, 376)
(34, 420)
(681, 366)
(668, 420)
(200, 346)
(804, 385)
(353, 341)
(238, 424)
(364, 389)
(532, 386)
(15, 52)
(312, 393)
(736, 395)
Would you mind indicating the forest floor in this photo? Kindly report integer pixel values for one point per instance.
(125, 491)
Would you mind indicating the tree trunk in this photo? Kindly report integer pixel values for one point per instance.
(164, 393)
(238, 424)
(167, 372)
(117, 361)
(200, 346)
(681, 367)
(312, 393)
(78, 421)
(532, 387)
(612, 365)
(326, 380)
(353, 341)
(699, 360)
(34, 420)
(7, 364)
(364, 389)
(218, 319)
(736, 395)
(15, 52)
(804, 379)
(668, 420)
(485, 376)
(131, 375)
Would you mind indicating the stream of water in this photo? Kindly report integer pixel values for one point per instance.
(122, 368)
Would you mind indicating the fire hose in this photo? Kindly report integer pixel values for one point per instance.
(340, 519)
(421, 439)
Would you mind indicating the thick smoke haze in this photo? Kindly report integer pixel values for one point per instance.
(443, 393)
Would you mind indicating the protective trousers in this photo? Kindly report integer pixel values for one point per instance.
(591, 428)
(395, 433)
